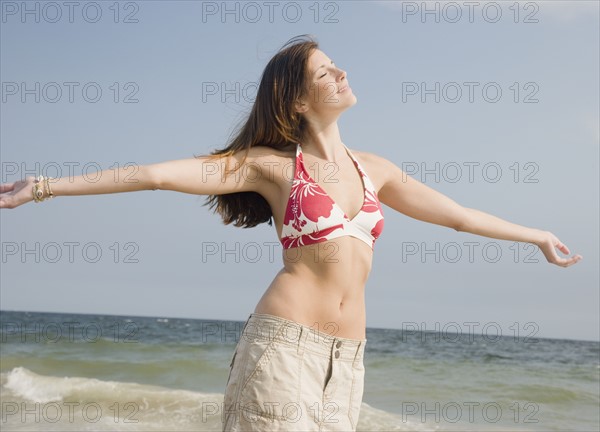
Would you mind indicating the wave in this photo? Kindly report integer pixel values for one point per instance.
(38, 402)
(488, 357)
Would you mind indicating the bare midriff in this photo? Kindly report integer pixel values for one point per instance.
(322, 286)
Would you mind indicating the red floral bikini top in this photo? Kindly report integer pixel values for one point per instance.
(311, 215)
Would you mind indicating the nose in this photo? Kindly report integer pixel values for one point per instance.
(342, 74)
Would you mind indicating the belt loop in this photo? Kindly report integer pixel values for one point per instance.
(245, 324)
(357, 353)
(302, 341)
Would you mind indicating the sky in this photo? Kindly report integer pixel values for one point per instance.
(496, 107)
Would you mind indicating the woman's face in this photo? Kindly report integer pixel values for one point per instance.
(329, 91)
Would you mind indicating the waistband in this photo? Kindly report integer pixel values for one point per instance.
(267, 327)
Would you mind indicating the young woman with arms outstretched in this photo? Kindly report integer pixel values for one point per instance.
(299, 362)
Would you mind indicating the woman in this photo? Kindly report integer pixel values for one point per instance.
(299, 362)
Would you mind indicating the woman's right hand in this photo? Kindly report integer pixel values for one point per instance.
(14, 194)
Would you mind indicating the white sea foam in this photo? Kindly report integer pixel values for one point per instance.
(38, 402)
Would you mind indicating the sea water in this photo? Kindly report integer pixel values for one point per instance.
(67, 372)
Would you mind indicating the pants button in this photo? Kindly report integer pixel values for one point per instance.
(338, 344)
(337, 354)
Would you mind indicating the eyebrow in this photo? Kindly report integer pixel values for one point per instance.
(317, 69)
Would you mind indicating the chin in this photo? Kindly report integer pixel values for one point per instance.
(352, 102)
(341, 107)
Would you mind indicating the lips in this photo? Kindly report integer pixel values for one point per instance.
(343, 89)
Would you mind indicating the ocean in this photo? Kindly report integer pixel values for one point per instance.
(68, 372)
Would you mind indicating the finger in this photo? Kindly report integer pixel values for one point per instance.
(6, 187)
(553, 257)
(551, 254)
(5, 203)
(563, 248)
(570, 261)
(562, 262)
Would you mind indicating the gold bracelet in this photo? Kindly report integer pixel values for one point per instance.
(47, 186)
(38, 194)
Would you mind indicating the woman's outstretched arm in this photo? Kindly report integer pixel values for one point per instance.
(200, 175)
(413, 198)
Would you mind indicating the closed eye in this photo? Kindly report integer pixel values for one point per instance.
(333, 64)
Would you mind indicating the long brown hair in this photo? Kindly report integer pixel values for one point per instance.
(272, 122)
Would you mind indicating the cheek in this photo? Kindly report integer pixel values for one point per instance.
(323, 93)
(317, 93)
(327, 93)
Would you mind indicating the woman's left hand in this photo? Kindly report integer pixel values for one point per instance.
(548, 244)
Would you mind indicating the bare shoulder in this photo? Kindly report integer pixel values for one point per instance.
(377, 167)
(267, 162)
(370, 158)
